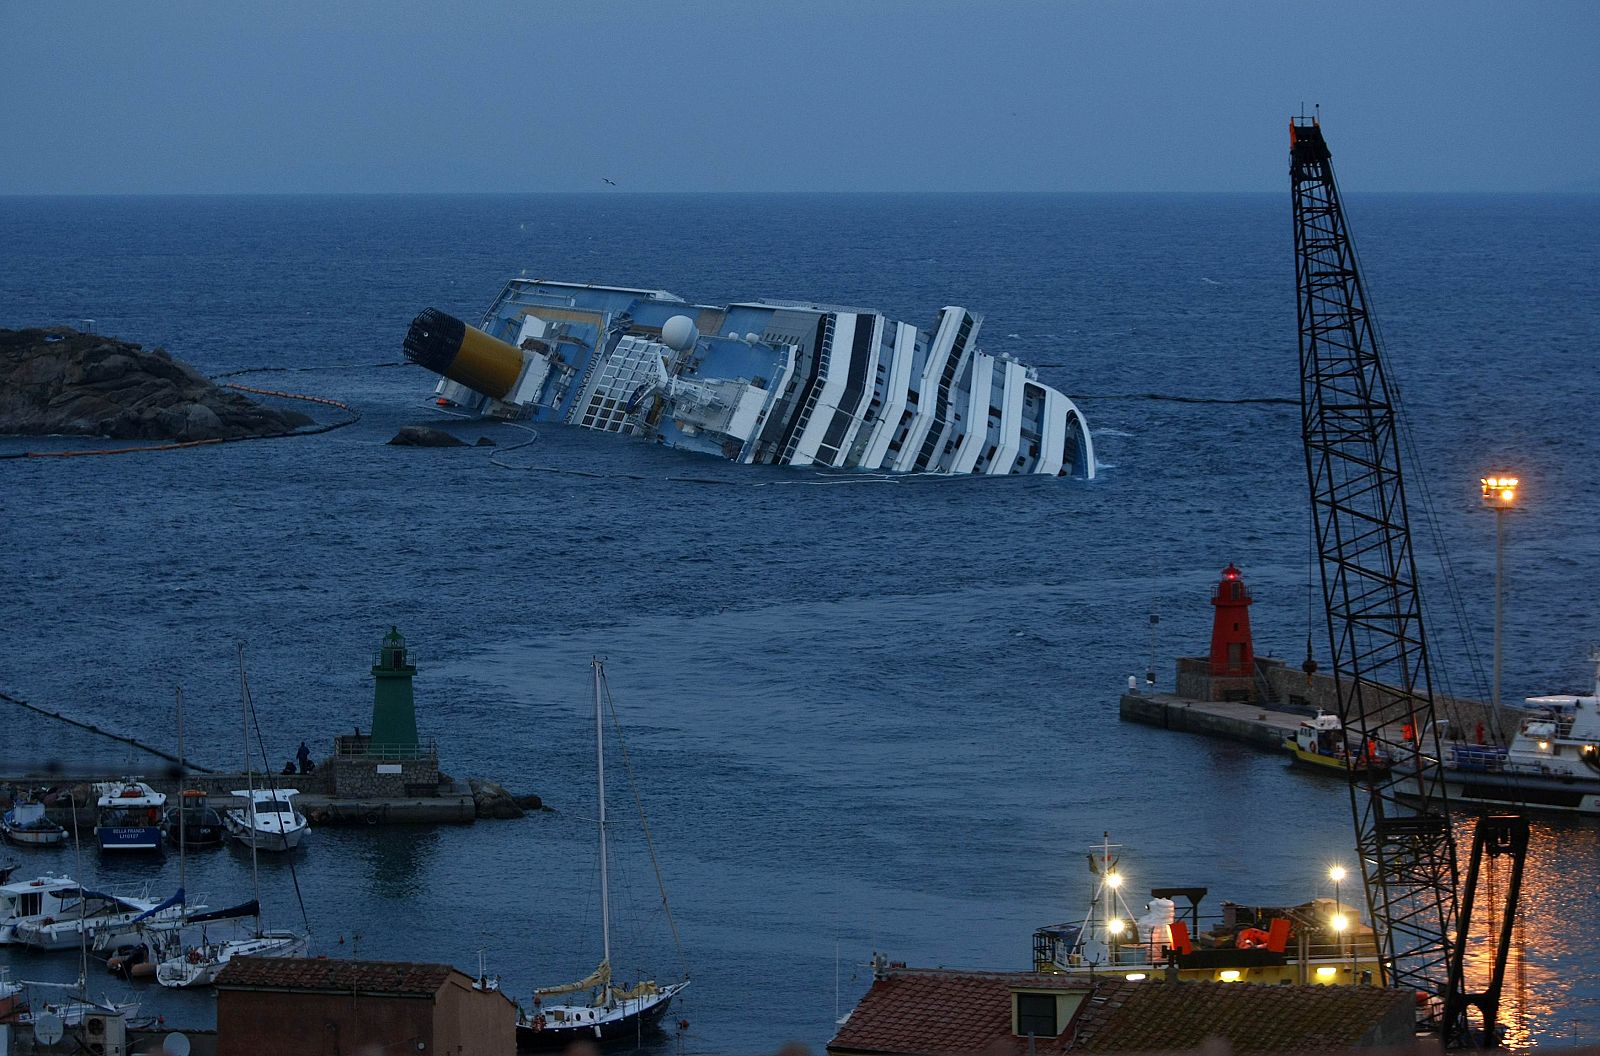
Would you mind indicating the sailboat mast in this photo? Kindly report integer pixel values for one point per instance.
(249, 784)
(183, 842)
(600, 777)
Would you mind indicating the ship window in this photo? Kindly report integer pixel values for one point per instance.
(1036, 1015)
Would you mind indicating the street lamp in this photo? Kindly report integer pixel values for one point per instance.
(1336, 874)
(1500, 495)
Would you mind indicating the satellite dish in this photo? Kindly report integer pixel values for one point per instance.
(48, 1029)
(175, 1044)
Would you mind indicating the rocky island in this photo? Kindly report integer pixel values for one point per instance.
(61, 381)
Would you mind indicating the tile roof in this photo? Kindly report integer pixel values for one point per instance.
(943, 1013)
(300, 973)
(1146, 1017)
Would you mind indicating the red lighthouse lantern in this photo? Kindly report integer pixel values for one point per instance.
(1232, 654)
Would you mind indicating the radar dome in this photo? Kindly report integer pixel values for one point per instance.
(679, 333)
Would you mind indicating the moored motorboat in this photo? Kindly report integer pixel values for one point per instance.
(40, 897)
(83, 916)
(26, 824)
(200, 824)
(1322, 743)
(269, 820)
(129, 817)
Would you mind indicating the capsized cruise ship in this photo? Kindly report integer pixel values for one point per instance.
(767, 382)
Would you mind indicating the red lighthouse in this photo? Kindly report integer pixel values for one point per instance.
(1231, 652)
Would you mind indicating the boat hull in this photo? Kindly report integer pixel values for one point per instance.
(1327, 763)
(628, 1026)
(1541, 793)
(126, 839)
(277, 842)
(34, 837)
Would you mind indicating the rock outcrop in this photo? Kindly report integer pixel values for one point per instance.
(422, 436)
(491, 800)
(64, 382)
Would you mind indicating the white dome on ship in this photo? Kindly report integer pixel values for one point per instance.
(679, 333)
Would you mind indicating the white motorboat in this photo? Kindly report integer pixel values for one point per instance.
(612, 1012)
(1552, 763)
(40, 897)
(268, 821)
(83, 915)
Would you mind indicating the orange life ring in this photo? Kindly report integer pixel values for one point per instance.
(1250, 938)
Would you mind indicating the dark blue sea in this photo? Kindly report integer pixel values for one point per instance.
(863, 715)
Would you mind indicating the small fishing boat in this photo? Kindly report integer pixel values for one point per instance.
(40, 897)
(129, 816)
(1322, 743)
(25, 823)
(193, 822)
(1320, 941)
(611, 1012)
(268, 821)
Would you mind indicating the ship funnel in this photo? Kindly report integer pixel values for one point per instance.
(464, 354)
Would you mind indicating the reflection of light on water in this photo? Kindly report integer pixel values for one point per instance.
(1552, 937)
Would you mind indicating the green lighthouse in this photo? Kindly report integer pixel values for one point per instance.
(394, 713)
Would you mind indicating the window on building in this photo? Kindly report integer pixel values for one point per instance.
(1036, 1015)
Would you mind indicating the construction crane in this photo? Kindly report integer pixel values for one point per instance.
(1421, 910)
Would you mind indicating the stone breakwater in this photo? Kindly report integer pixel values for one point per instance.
(64, 382)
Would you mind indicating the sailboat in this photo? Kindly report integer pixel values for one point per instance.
(199, 964)
(612, 1012)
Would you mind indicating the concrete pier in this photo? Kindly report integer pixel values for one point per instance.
(1252, 724)
(451, 803)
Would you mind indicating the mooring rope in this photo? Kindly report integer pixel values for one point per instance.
(8, 698)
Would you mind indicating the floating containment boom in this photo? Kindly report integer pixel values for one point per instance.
(785, 384)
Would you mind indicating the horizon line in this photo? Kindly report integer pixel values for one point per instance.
(1558, 191)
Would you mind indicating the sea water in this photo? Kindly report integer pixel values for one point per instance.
(864, 715)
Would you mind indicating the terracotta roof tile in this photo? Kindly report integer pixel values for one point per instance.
(1252, 1018)
(943, 1013)
(368, 977)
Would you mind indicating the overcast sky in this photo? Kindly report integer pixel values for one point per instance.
(747, 95)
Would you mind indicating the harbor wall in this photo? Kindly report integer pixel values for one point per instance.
(1280, 687)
